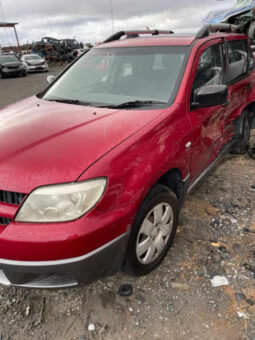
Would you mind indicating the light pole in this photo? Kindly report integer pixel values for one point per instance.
(111, 4)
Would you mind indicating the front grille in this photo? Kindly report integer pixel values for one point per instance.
(4, 221)
(11, 197)
(37, 64)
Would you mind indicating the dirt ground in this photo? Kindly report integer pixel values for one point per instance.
(216, 236)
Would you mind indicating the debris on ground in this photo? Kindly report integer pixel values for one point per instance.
(219, 281)
(242, 315)
(125, 290)
(91, 327)
(28, 310)
(180, 286)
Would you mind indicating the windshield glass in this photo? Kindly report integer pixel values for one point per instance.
(112, 76)
(32, 57)
(8, 59)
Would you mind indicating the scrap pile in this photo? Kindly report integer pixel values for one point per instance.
(57, 50)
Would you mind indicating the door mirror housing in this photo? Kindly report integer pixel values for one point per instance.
(210, 95)
(50, 79)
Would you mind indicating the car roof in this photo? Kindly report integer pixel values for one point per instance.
(163, 40)
(173, 39)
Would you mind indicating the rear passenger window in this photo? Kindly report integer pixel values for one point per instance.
(237, 59)
(209, 69)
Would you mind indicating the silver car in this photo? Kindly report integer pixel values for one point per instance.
(33, 62)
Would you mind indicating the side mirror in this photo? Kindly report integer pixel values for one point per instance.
(210, 95)
(50, 79)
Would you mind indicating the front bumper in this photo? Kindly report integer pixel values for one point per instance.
(13, 72)
(102, 262)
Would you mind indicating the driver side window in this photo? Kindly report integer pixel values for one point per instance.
(209, 69)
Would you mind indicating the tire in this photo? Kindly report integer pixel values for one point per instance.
(242, 145)
(149, 241)
(3, 76)
(251, 151)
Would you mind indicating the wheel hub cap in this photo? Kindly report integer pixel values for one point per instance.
(154, 233)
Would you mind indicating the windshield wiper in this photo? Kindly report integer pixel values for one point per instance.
(69, 101)
(136, 103)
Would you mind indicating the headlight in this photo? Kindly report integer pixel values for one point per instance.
(63, 202)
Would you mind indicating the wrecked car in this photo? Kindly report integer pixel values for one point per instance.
(96, 167)
(242, 15)
(57, 50)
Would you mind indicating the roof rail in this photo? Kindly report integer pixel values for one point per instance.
(213, 28)
(135, 34)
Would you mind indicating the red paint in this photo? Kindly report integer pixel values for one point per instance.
(58, 143)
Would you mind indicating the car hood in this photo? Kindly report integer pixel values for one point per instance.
(47, 142)
(222, 16)
(12, 64)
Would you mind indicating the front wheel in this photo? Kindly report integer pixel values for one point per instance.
(153, 231)
(251, 151)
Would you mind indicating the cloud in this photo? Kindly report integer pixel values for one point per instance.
(90, 20)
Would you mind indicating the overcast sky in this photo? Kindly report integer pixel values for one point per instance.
(90, 20)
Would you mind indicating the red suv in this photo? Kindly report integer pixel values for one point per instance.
(94, 170)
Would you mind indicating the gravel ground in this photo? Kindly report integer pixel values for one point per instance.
(216, 236)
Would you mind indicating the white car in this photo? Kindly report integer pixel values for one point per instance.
(33, 62)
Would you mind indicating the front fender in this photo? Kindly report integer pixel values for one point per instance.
(137, 164)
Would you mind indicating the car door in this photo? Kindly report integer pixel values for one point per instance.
(238, 81)
(206, 123)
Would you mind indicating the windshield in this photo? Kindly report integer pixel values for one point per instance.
(8, 59)
(113, 76)
(32, 57)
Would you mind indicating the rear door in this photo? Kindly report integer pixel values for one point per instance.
(209, 69)
(238, 81)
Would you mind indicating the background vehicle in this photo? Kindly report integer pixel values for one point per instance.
(56, 50)
(79, 52)
(11, 66)
(71, 44)
(97, 166)
(33, 62)
(241, 15)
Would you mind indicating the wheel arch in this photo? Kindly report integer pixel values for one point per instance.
(251, 114)
(174, 181)
(239, 121)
